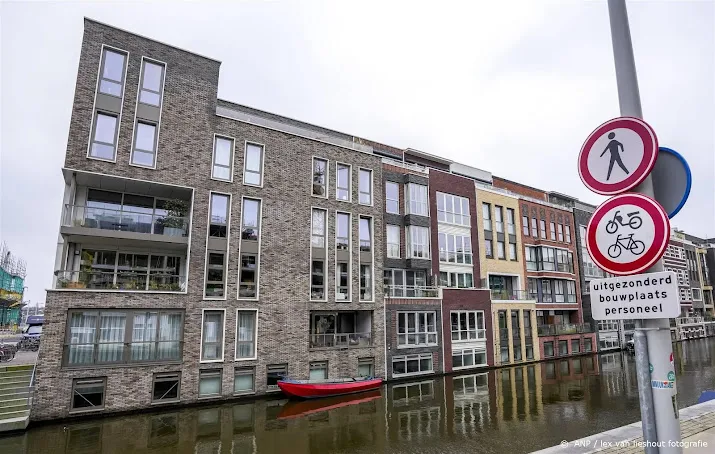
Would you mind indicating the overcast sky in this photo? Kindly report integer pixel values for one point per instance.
(510, 87)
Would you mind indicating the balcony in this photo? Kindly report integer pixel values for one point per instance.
(569, 328)
(341, 340)
(127, 281)
(412, 291)
(118, 220)
(510, 295)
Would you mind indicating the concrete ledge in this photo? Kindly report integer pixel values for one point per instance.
(13, 424)
(631, 432)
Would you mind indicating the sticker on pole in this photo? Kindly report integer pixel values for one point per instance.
(618, 155)
(627, 234)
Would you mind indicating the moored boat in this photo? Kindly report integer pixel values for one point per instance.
(312, 389)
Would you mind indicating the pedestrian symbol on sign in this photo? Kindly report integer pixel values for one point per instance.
(613, 147)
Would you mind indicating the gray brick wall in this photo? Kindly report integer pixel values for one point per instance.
(184, 158)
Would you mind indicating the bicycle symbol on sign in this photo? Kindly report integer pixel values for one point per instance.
(636, 247)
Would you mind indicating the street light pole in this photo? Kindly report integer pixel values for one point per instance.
(659, 410)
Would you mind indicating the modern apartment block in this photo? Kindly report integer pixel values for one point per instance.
(205, 248)
(676, 260)
(551, 272)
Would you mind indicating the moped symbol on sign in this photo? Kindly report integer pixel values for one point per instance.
(618, 155)
(627, 234)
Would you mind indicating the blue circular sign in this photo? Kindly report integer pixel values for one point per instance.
(672, 180)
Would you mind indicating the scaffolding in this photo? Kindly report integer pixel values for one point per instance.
(12, 286)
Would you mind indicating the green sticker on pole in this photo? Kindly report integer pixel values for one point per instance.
(671, 376)
(650, 367)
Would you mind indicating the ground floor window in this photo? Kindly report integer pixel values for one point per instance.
(412, 364)
(587, 344)
(469, 357)
(564, 367)
(575, 345)
(210, 382)
(166, 387)
(563, 348)
(549, 348)
(366, 367)
(416, 328)
(319, 370)
(243, 380)
(504, 352)
(275, 372)
(88, 394)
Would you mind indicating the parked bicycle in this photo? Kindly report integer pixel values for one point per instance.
(636, 247)
(7, 352)
(31, 344)
(634, 221)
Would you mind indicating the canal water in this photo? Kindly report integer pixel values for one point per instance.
(512, 410)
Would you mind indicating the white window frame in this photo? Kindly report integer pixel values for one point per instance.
(479, 331)
(96, 93)
(397, 200)
(93, 133)
(371, 188)
(453, 284)
(409, 201)
(426, 333)
(451, 240)
(325, 261)
(223, 337)
(467, 351)
(255, 337)
(141, 81)
(155, 151)
(161, 110)
(350, 258)
(258, 256)
(512, 248)
(350, 182)
(486, 220)
(419, 357)
(390, 249)
(233, 157)
(228, 247)
(410, 243)
(511, 223)
(499, 214)
(442, 214)
(326, 176)
(261, 173)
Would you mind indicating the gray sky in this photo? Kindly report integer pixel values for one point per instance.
(510, 87)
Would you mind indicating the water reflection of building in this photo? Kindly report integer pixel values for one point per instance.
(519, 393)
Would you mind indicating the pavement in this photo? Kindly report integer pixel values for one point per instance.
(26, 357)
(697, 428)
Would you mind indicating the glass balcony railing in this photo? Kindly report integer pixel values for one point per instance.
(509, 295)
(341, 340)
(568, 328)
(120, 280)
(412, 291)
(125, 221)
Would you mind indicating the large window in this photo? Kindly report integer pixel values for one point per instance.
(546, 294)
(499, 218)
(120, 336)
(392, 197)
(547, 259)
(342, 189)
(455, 248)
(365, 282)
(571, 291)
(215, 275)
(412, 364)
(510, 221)
(418, 240)
(212, 327)
(469, 357)
(564, 260)
(416, 329)
(317, 280)
(222, 159)
(111, 80)
(488, 252)
(88, 394)
(129, 271)
(365, 231)
(253, 164)
(250, 219)
(512, 251)
(104, 137)
(342, 281)
(393, 241)
(342, 231)
(318, 231)
(417, 199)
(218, 224)
(561, 232)
(456, 280)
(568, 233)
(543, 229)
(525, 225)
(534, 228)
(152, 82)
(405, 283)
(467, 325)
(500, 250)
(248, 276)
(452, 209)
(365, 186)
(246, 334)
(320, 177)
(553, 231)
(559, 294)
(487, 216)
(144, 150)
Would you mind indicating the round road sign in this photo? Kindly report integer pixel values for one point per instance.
(627, 234)
(618, 155)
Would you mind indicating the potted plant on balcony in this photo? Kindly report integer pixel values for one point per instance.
(174, 222)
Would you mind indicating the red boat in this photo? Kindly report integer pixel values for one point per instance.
(313, 389)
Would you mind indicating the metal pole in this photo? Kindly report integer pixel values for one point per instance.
(660, 349)
(644, 390)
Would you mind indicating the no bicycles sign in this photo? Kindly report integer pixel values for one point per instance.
(627, 234)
